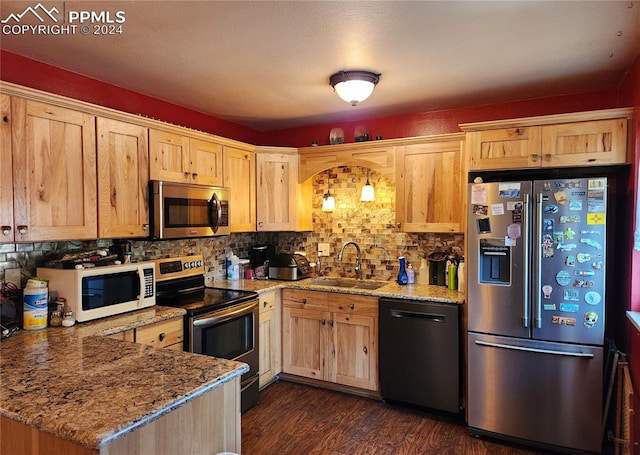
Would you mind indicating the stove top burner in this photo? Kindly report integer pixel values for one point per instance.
(204, 299)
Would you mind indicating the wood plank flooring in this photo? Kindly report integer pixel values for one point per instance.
(294, 419)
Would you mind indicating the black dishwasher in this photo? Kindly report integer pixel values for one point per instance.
(420, 353)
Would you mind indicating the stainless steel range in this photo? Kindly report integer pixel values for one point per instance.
(219, 322)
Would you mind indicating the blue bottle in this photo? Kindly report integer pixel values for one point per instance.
(402, 273)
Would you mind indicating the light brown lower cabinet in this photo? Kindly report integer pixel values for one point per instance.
(209, 423)
(330, 337)
(269, 337)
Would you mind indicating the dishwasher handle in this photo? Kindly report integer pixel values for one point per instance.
(441, 318)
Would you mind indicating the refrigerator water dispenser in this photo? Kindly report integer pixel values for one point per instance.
(495, 262)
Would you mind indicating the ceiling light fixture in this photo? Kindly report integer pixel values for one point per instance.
(354, 86)
(328, 201)
(368, 193)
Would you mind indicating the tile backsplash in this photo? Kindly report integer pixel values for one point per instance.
(371, 224)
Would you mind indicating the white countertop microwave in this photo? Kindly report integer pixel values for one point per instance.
(98, 292)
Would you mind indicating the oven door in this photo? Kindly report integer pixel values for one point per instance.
(228, 333)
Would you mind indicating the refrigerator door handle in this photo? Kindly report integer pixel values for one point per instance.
(525, 249)
(538, 316)
(536, 350)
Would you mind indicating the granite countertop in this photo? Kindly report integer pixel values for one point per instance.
(390, 289)
(75, 383)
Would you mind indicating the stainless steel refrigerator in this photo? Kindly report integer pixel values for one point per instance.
(536, 308)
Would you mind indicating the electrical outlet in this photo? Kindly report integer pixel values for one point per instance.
(13, 276)
(323, 249)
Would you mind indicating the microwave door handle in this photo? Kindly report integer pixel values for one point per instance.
(142, 286)
(215, 212)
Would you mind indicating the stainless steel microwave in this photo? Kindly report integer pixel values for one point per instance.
(181, 210)
(98, 292)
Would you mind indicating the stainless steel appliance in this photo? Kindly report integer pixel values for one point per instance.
(219, 322)
(536, 308)
(286, 266)
(181, 210)
(420, 353)
(100, 291)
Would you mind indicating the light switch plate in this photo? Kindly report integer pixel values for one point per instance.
(323, 249)
(13, 276)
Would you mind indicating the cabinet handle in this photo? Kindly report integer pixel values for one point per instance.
(145, 227)
(186, 175)
(547, 157)
(365, 350)
(323, 322)
(352, 306)
(22, 230)
(162, 336)
(331, 323)
(304, 301)
(534, 157)
(6, 230)
(265, 304)
(399, 225)
(260, 224)
(194, 175)
(5, 119)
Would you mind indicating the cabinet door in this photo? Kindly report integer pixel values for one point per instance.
(123, 179)
(54, 163)
(6, 172)
(240, 176)
(354, 351)
(169, 157)
(304, 341)
(429, 188)
(591, 143)
(205, 162)
(508, 148)
(270, 338)
(276, 191)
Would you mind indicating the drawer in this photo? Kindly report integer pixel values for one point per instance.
(161, 334)
(267, 301)
(354, 304)
(297, 298)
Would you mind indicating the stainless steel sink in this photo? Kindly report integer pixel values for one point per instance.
(346, 283)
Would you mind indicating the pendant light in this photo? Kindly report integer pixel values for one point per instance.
(328, 201)
(354, 86)
(368, 194)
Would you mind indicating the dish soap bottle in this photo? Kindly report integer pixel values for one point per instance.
(411, 276)
(402, 273)
(461, 275)
(423, 272)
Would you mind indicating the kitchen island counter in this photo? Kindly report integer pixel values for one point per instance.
(389, 289)
(91, 390)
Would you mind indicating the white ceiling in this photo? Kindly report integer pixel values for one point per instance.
(266, 64)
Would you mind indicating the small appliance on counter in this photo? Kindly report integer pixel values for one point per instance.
(259, 257)
(288, 266)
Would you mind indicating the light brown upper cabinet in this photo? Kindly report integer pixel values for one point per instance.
(430, 185)
(54, 172)
(240, 177)
(178, 158)
(7, 230)
(123, 179)
(593, 138)
(281, 203)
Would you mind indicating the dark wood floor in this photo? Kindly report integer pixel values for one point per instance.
(294, 419)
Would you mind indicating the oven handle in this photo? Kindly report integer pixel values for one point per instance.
(225, 314)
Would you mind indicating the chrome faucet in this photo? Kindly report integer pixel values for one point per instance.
(358, 267)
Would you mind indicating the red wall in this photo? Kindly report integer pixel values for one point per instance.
(30, 73)
(444, 121)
